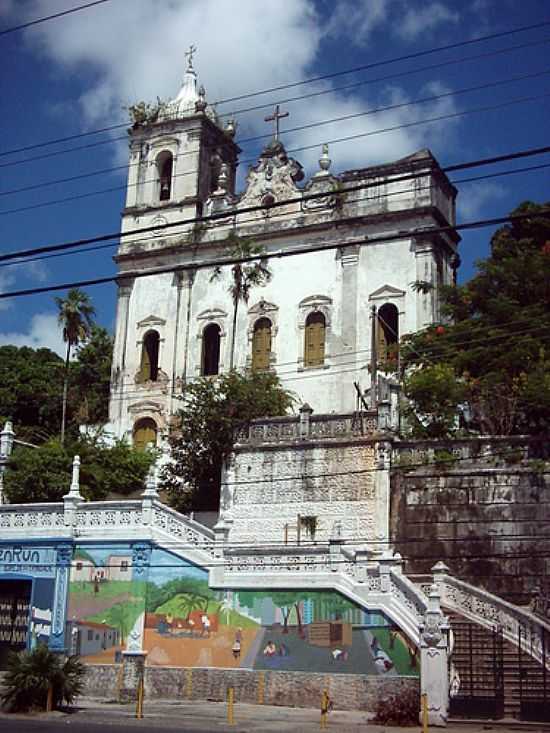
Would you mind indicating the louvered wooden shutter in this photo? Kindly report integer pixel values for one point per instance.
(314, 347)
(261, 344)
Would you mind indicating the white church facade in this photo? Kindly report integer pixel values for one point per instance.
(337, 245)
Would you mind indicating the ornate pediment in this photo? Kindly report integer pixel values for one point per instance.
(386, 291)
(142, 406)
(273, 178)
(211, 314)
(151, 321)
(315, 300)
(262, 308)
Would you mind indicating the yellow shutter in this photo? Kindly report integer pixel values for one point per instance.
(261, 344)
(144, 434)
(314, 344)
(381, 342)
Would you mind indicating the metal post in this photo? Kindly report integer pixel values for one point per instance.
(230, 702)
(139, 706)
(325, 706)
(424, 706)
(49, 700)
(373, 360)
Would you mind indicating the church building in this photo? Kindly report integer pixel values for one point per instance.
(336, 246)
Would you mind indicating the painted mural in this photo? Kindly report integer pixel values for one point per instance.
(188, 624)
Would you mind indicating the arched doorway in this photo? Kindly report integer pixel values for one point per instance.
(211, 339)
(145, 433)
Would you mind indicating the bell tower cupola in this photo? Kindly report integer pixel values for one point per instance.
(177, 151)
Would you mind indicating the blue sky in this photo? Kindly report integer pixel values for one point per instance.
(77, 73)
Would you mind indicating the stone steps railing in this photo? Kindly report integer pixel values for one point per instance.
(519, 626)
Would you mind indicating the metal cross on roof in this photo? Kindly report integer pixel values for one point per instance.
(275, 117)
(189, 55)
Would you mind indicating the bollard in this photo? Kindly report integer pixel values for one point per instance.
(189, 683)
(424, 707)
(139, 705)
(49, 700)
(230, 701)
(261, 688)
(325, 707)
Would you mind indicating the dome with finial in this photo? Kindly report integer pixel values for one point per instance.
(191, 98)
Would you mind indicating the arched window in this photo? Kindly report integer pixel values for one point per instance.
(314, 342)
(210, 363)
(145, 433)
(261, 344)
(164, 166)
(388, 332)
(150, 357)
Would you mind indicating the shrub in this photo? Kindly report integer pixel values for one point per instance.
(30, 675)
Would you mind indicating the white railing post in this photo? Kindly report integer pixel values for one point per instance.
(150, 495)
(73, 498)
(434, 674)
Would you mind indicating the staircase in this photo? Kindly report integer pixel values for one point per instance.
(495, 676)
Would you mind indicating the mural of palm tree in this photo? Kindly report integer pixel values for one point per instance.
(244, 277)
(76, 317)
(191, 602)
(119, 617)
(225, 610)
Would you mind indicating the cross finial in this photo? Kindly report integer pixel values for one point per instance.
(275, 117)
(189, 55)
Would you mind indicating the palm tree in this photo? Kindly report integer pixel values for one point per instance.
(244, 277)
(75, 315)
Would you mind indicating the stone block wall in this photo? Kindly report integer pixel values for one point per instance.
(290, 689)
(485, 513)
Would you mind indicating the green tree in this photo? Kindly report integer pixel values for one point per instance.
(43, 474)
(491, 362)
(244, 276)
(31, 381)
(75, 316)
(91, 377)
(213, 409)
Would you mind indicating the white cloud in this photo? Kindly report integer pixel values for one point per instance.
(474, 197)
(422, 20)
(9, 274)
(44, 331)
(124, 55)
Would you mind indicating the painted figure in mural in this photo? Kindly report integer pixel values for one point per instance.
(270, 649)
(374, 646)
(205, 621)
(236, 649)
(283, 650)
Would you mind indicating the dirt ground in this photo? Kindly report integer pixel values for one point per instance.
(197, 651)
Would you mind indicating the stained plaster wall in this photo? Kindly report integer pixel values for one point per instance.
(485, 516)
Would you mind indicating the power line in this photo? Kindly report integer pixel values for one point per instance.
(236, 113)
(276, 205)
(384, 62)
(471, 179)
(318, 123)
(349, 138)
(221, 262)
(51, 17)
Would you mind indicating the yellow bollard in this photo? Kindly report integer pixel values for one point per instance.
(139, 705)
(189, 683)
(230, 702)
(49, 700)
(424, 707)
(261, 688)
(325, 707)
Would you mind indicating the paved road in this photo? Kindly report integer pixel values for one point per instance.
(210, 717)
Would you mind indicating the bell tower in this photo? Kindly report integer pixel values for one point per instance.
(177, 150)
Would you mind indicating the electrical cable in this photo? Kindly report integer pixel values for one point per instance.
(30, 23)
(304, 197)
(318, 123)
(263, 106)
(223, 261)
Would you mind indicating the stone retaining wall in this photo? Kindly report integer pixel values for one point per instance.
(290, 689)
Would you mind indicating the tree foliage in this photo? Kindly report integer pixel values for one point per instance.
(31, 674)
(491, 362)
(43, 474)
(92, 378)
(212, 410)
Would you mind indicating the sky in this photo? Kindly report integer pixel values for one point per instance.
(78, 73)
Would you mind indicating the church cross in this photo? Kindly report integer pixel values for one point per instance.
(189, 55)
(275, 117)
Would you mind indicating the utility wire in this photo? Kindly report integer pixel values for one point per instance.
(223, 261)
(304, 197)
(451, 62)
(357, 199)
(349, 138)
(30, 23)
(318, 123)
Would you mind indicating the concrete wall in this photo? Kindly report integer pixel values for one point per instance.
(485, 514)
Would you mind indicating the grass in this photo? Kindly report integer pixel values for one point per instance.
(399, 654)
(176, 607)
